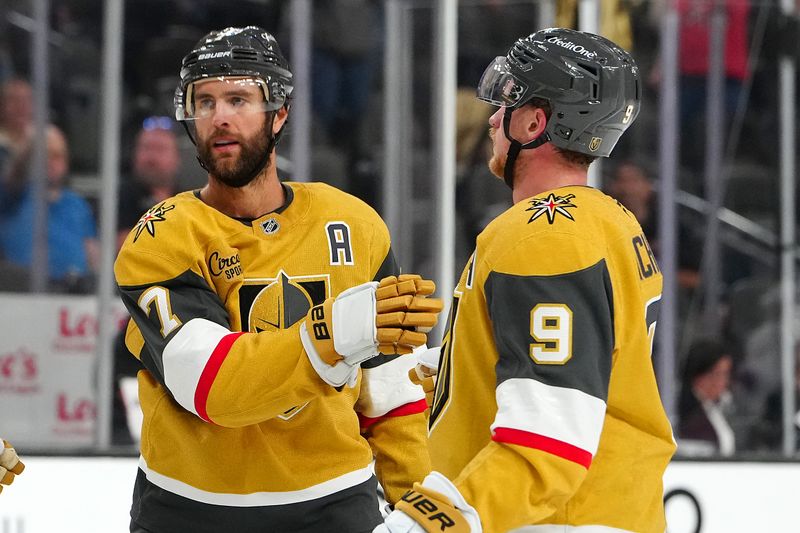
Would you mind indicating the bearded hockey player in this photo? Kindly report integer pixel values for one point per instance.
(276, 366)
(546, 414)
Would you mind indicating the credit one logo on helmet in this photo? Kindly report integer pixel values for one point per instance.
(569, 45)
(213, 55)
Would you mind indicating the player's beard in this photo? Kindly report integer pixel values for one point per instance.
(497, 163)
(240, 170)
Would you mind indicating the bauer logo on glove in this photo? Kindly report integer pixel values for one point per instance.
(431, 509)
(389, 317)
(320, 327)
(432, 506)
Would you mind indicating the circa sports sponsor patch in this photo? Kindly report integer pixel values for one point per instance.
(227, 263)
(148, 220)
(551, 206)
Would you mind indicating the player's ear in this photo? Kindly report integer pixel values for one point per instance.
(280, 118)
(537, 122)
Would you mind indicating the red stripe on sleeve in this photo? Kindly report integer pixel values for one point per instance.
(404, 410)
(546, 444)
(210, 373)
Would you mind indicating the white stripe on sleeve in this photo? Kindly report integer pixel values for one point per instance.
(186, 355)
(567, 415)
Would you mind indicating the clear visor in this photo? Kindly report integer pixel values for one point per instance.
(498, 86)
(226, 96)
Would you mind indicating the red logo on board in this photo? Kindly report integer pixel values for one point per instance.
(19, 371)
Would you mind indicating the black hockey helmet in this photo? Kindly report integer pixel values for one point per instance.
(249, 52)
(592, 85)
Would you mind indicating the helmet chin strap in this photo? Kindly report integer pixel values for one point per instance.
(515, 147)
(273, 140)
(186, 127)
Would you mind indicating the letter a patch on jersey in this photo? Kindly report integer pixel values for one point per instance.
(339, 243)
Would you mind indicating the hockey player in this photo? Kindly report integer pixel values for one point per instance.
(546, 414)
(258, 318)
(10, 465)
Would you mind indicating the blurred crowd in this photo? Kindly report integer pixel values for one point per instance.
(730, 399)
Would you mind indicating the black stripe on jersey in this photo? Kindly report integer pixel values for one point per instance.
(588, 294)
(352, 510)
(389, 267)
(379, 360)
(471, 271)
(189, 297)
(444, 378)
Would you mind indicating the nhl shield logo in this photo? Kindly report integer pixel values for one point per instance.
(270, 226)
(595, 143)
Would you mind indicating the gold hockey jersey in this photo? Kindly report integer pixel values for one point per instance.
(546, 411)
(240, 433)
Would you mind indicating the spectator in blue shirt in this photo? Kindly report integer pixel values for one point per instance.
(72, 247)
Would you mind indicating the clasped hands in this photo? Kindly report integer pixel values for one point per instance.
(392, 316)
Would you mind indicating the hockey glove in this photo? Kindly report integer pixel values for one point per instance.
(405, 313)
(390, 317)
(430, 507)
(10, 465)
(424, 374)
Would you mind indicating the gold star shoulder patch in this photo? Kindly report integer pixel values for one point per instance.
(551, 206)
(148, 220)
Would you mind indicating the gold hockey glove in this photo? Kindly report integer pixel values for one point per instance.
(10, 465)
(424, 373)
(432, 506)
(405, 313)
(391, 317)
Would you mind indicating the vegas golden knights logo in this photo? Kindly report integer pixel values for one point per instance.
(595, 143)
(270, 304)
